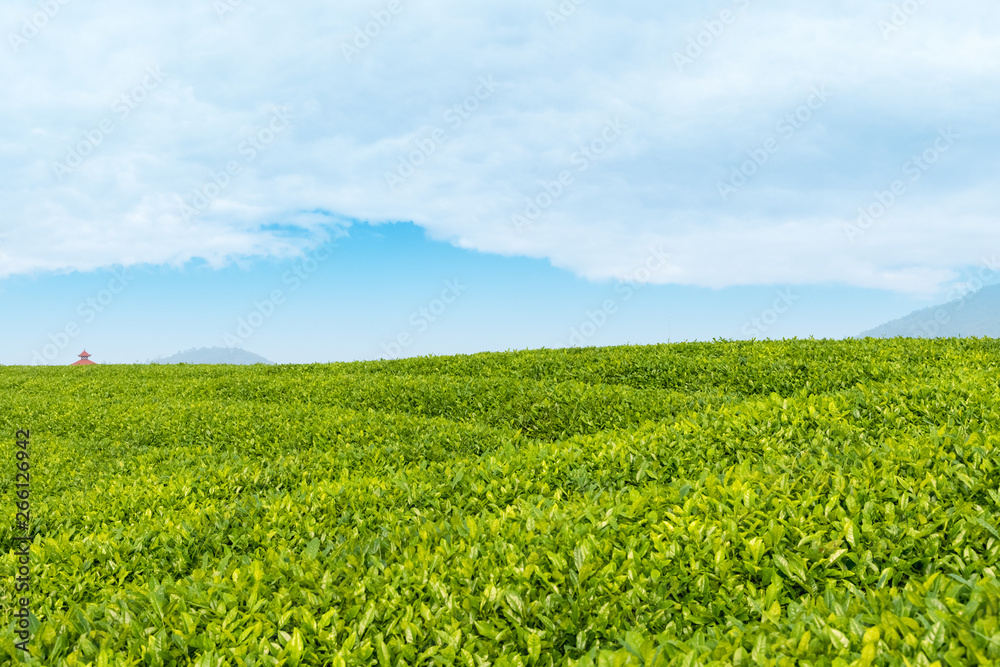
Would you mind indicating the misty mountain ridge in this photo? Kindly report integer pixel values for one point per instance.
(974, 315)
(213, 355)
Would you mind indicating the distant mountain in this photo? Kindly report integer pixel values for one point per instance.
(213, 355)
(976, 314)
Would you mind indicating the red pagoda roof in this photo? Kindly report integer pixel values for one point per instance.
(84, 360)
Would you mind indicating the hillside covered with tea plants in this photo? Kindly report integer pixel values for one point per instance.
(727, 503)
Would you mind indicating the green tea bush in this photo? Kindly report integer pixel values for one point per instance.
(728, 503)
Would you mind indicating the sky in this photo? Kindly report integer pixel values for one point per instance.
(378, 179)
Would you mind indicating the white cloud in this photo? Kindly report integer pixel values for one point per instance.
(556, 88)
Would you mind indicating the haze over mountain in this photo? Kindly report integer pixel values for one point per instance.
(213, 355)
(976, 314)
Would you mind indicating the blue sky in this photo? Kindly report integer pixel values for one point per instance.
(738, 169)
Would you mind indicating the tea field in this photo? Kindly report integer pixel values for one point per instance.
(727, 503)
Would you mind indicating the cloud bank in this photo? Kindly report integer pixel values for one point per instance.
(757, 143)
